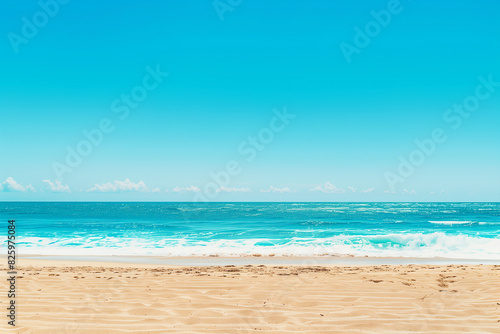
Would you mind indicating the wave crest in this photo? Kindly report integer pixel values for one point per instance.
(415, 245)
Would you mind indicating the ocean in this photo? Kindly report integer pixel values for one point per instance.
(416, 230)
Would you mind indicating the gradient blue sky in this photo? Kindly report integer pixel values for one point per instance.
(353, 120)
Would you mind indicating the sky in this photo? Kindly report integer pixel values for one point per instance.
(249, 100)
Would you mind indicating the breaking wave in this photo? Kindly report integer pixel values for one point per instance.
(410, 245)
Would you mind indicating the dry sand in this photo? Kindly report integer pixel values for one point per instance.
(77, 297)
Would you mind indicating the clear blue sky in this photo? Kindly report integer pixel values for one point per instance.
(353, 119)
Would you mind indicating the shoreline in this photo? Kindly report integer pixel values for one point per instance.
(199, 261)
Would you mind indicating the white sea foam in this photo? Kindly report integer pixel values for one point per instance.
(415, 245)
(450, 222)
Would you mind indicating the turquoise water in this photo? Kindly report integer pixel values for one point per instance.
(452, 230)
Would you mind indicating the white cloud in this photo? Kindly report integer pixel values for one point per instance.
(119, 186)
(10, 185)
(57, 186)
(156, 190)
(194, 189)
(328, 188)
(352, 189)
(233, 189)
(29, 187)
(369, 190)
(273, 189)
(409, 191)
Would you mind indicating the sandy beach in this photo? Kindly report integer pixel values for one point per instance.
(97, 297)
